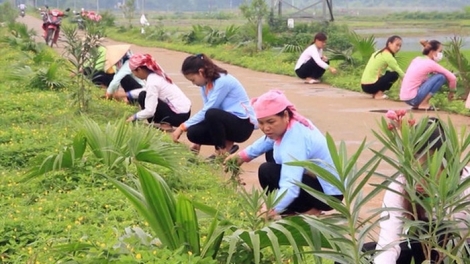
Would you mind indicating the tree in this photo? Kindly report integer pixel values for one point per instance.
(128, 8)
(255, 12)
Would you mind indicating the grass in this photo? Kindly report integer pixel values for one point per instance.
(48, 219)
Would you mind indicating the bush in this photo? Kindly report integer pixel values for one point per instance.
(8, 13)
(108, 19)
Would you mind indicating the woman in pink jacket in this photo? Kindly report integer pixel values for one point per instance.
(425, 77)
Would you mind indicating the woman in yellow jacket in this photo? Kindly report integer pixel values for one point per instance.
(382, 69)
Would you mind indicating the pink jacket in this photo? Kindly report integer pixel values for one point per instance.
(418, 72)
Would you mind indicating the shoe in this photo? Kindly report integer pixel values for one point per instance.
(231, 151)
(431, 108)
(381, 97)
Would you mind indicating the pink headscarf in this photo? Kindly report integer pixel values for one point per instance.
(274, 102)
(138, 60)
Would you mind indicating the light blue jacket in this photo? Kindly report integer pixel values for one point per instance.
(299, 143)
(118, 76)
(227, 94)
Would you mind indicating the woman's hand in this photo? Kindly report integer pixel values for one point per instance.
(108, 95)
(332, 70)
(236, 157)
(131, 118)
(268, 215)
(451, 95)
(177, 134)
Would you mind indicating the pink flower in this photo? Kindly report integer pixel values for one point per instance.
(392, 115)
(411, 122)
(390, 126)
(400, 113)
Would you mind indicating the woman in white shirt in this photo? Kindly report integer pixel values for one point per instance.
(312, 64)
(162, 102)
(390, 249)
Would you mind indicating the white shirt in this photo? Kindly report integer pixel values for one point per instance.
(311, 52)
(157, 87)
(391, 229)
(22, 6)
(144, 21)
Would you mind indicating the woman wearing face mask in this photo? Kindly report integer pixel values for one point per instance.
(312, 64)
(425, 77)
(289, 137)
(382, 69)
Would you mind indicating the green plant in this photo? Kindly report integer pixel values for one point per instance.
(22, 37)
(443, 184)
(49, 78)
(254, 12)
(346, 231)
(360, 52)
(82, 53)
(457, 59)
(108, 19)
(8, 13)
(128, 9)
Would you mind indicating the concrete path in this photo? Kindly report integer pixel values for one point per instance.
(344, 114)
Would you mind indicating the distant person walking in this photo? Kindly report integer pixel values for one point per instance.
(144, 23)
(312, 64)
(425, 77)
(382, 69)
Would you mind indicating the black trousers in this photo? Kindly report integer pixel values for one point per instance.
(384, 83)
(128, 83)
(220, 126)
(98, 77)
(408, 253)
(269, 174)
(310, 69)
(163, 113)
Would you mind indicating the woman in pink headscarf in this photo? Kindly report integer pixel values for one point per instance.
(162, 102)
(289, 137)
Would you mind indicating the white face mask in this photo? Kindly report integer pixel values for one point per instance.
(438, 57)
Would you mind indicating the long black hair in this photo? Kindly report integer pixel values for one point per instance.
(389, 40)
(194, 63)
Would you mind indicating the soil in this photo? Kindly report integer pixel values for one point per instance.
(348, 116)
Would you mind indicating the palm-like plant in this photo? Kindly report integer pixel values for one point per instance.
(360, 52)
(44, 78)
(456, 58)
(173, 217)
(345, 230)
(22, 37)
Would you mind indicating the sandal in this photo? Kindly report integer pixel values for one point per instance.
(431, 108)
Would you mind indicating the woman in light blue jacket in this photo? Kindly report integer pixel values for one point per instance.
(289, 137)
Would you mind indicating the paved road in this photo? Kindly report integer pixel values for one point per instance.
(344, 114)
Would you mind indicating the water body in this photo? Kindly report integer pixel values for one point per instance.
(410, 43)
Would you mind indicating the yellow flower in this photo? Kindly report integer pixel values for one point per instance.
(138, 256)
